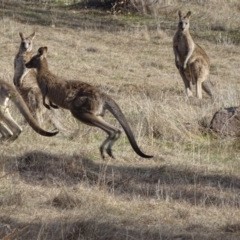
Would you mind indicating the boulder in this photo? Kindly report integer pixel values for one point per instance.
(226, 122)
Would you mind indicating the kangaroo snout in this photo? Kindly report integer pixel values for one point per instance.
(25, 46)
(29, 64)
(181, 24)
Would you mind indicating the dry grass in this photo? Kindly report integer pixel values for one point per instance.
(60, 188)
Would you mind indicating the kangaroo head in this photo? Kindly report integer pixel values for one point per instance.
(26, 42)
(183, 23)
(35, 61)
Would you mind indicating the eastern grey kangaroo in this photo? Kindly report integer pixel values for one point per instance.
(25, 79)
(86, 103)
(26, 84)
(9, 128)
(190, 59)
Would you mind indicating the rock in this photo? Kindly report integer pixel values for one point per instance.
(226, 122)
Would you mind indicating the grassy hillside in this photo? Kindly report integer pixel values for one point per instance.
(60, 188)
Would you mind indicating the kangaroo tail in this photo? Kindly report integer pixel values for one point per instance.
(112, 106)
(20, 104)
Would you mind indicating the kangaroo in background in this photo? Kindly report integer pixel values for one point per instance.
(25, 81)
(9, 129)
(24, 55)
(190, 59)
(86, 103)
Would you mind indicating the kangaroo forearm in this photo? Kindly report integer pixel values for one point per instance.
(176, 56)
(190, 52)
(44, 102)
(53, 105)
(175, 53)
(187, 58)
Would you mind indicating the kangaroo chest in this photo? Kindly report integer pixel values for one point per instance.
(19, 65)
(57, 94)
(184, 44)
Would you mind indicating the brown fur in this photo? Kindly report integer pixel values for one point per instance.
(85, 102)
(26, 84)
(9, 128)
(190, 59)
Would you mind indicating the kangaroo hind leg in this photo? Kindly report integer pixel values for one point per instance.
(34, 104)
(5, 131)
(206, 88)
(203, 84)
(186, 82)
(108, 143)
(97, 121)
(9, 127)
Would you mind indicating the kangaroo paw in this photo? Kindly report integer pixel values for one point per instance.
(109, 152)
(47, 106)
(54, 106)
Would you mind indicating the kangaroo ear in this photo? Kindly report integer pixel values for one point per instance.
(32, 35)
(188, 14)
(180, 14)
(42, 51)
(21, 35)
(45, 49)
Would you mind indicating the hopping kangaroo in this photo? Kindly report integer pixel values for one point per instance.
(86, 103)
(190, 59)
(9, 129)
(26, 84)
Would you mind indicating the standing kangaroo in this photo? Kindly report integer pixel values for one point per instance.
(190, 59)
(9, 129)
(26, 84)
(86, 103)
(25, 79)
